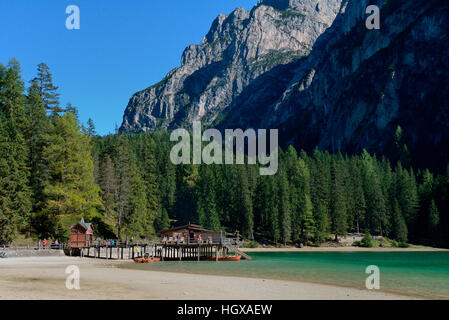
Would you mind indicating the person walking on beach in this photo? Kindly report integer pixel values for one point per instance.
(44, 242)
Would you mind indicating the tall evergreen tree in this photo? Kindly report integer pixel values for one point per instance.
(15, 195)
(37, 134)
(71, 191)
(433, 224)
(48, 91)
(400, 232)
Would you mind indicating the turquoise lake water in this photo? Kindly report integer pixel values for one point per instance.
(420, 274)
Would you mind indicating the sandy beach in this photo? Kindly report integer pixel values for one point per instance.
(44, 278)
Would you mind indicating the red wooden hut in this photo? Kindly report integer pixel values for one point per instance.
(81, 234)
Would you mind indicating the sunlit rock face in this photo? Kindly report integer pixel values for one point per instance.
(312, 69)
(237, 50)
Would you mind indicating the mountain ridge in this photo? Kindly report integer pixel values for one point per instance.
(340, 87)
(238, 48)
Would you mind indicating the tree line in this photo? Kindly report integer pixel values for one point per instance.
(310, 198)
(54, 170)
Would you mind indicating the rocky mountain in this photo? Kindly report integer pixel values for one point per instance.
(312, 69)
(238, 49)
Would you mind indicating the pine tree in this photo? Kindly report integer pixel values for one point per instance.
(90, 128)
(399, 226)
(162, 221)
(308, 224)
(433, 223)
(15, 203)
(108, 185)
(337, 205)
(37, 133)
(322, 224)
(123, 176)
(375, 200)
(47, 89)
(284, 207)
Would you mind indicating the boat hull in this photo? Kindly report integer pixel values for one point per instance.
(146, 260)
(226, 258)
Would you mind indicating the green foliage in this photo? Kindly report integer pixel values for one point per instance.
(15, 194)
(403, 245)
(357, 244)
(53, 171)
(249, 244)
(71, 190)
(400, 232)
(367, 241)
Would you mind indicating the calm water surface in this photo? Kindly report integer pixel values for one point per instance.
(421, 274)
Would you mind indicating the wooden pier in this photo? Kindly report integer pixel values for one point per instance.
(164, 251)
(185, 243)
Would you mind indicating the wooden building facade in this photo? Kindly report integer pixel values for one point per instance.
(191, 234)
(81, 234)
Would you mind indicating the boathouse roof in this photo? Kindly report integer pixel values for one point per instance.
(82, 224)
(192, 227)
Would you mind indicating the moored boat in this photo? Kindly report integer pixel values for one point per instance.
(230, 258)
(146, 260)
(225, 258)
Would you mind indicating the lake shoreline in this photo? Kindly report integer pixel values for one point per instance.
(44, 278)
(343, 249)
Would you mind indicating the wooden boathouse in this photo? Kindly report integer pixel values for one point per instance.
(81, 234)
(187, 242)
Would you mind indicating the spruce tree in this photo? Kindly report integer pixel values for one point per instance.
(338, 204)
(37, 134)
(400, 232)
(15, 195)
(48, 91)
(284, 207)
(433, 223)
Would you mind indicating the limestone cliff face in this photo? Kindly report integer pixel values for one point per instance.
(313, 70)
(358, 85)
(238, 49)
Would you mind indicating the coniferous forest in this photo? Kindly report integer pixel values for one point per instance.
(55, 170)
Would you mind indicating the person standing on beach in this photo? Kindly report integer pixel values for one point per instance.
(44, 242)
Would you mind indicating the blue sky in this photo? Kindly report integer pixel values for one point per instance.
(121, 48)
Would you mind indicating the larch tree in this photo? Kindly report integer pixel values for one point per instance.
(71, 191)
